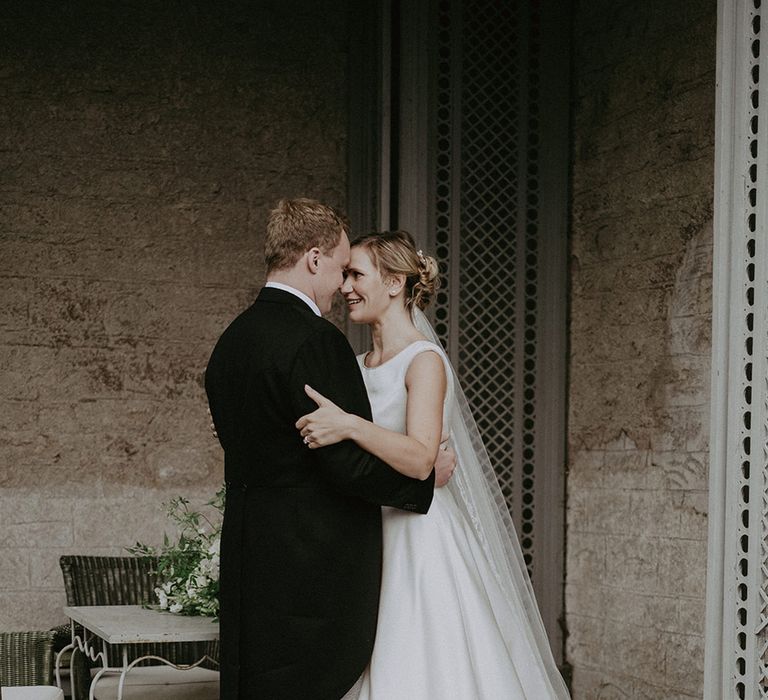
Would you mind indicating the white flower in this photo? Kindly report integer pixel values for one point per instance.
(160, 593)
(204, 568)
(189, 566)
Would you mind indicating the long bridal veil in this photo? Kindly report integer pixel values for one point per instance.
(478, 495)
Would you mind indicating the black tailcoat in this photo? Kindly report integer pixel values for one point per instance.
(301, 540)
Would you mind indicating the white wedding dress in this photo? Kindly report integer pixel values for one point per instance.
(446, 628)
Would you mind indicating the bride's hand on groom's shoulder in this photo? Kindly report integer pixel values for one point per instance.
(325, 426)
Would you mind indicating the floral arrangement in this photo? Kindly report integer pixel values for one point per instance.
(188, 569)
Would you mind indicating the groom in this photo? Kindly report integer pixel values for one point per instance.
(301, 540)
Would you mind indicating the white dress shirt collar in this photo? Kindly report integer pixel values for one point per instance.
(292, 290)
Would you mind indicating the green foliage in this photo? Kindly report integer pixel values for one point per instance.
(188, 568)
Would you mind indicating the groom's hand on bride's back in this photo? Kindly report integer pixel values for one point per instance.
(445, 464)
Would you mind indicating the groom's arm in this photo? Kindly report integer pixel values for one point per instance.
(327, 363)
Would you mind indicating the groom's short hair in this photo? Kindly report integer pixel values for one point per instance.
(296, 225)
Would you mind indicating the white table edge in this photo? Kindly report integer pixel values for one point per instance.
(79, 613)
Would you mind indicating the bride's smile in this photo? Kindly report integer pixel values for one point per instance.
(364, 290)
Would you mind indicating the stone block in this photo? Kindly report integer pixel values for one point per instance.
(632, 562)
(17, 421)
(681, 429)
(586, 559)
(180, 465)
(693, 515)
(620, 406)
(620, 310)
(639, 608)
(610, 511)
(586, 683)
(658, 689)
(588, 598)
(18, 509)
(31, 610)
(691, 335)
(577, 514)
(594, 281)
(656, 513)
(691, 613)
(602, 599)
(14, 569)
(685, 471)
(35, 522)
(621, 443)
(634, 342)
(592, 684)
(695, 297)
(651, 273)
(684, 660)
(627, 470)
(684, 382)
(21, 367)
(682, 567)
(120, 523)
(584, 647)
(635, 651)
(44, 570)
(585, 469)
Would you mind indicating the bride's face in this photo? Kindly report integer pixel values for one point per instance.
(364, 289)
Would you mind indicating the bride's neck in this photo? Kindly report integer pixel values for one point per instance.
(391, 333)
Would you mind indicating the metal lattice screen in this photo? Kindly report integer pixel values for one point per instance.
(752, 635)
(751, 611)
(487, 229)
(737, 587)
(462, 169)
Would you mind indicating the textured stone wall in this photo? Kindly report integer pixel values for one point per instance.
(141, 146)
(640, 344)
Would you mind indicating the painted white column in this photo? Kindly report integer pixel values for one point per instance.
(737, 579)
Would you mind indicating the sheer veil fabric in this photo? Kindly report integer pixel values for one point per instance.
(477, 493)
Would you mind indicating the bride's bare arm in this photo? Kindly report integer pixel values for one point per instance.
(412, 454)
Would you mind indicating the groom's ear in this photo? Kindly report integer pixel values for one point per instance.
(312, 257)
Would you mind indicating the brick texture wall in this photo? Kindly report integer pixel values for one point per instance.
(640, 347)
(141, 147)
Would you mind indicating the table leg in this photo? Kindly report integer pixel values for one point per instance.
(122, 673)
(104, 668)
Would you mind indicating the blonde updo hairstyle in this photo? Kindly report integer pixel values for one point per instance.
(394, 253)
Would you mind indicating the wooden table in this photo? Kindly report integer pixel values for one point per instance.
(124, 625)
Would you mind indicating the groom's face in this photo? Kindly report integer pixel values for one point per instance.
(331, 274)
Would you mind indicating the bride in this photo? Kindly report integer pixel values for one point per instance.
(457, 614)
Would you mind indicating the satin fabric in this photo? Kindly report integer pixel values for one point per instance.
(445, 627)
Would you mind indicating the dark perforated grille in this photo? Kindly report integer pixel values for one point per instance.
(487, 156)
